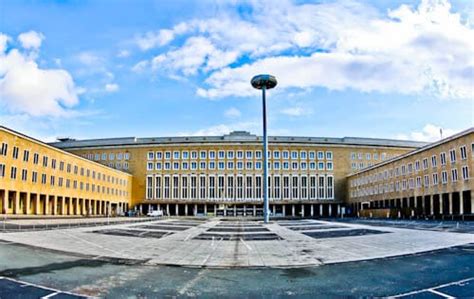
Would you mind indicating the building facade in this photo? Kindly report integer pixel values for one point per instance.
(36, 178)
(222, 175)
(432, 181)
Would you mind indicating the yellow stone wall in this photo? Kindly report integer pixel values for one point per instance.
(18, 196)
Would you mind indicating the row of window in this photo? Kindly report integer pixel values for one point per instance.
(239, 154)
(238, 187)
(410, 168)
(369, 156)
(105, 156)
(230, 165)
(60, 182)
(62, 166)
(412, 183)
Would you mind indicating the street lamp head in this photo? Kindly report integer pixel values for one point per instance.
(260, 81)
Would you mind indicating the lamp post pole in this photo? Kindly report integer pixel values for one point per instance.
(264, 82)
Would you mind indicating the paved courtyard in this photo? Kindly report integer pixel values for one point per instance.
(223, 243)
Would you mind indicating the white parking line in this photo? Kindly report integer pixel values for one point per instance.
(433, 289)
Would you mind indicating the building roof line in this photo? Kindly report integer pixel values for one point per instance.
(419, 150)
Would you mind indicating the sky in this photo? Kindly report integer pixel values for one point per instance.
(98, 69)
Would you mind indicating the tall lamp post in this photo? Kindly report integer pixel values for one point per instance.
(264, 82)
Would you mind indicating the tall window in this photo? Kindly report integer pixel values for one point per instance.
(15, 152)
(240, 187)
(286, 187)
(26, 155)
(321, 194)
(304, 187)
(202, 186)
(276, 187)
(4, 149)
(258, 187)
(463, 152)
(465, 173)
(184, 187)
(452, 155)
(158, 187)
(330, 187)
(248, 187)
(175, 187)
(442, 157)
(221, 190)
(149, 187)
(312, 187)
(294, 187)
(166, 192)
(212, 185)
(193, 187)
(230, 187)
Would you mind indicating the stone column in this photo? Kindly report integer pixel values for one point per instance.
(441, 204)
(312, 210)
(302, 210)
(195, 210)
(431, 205)
(450, 203)
(5, 202)
(293, 210)
(46, 205)
(338, 210)
(472, 201)
(330, 210)
(274, 210)
(235, 210)
(16, 203)
(321, 210)
(461, 203)
(205, 209)
(284, 210)
(28, 203)
(245, 210)
(37, 204)
(254, 210)
(186, 209)
(176, 209)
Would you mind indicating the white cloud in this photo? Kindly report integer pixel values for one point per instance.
(4, 39)
(140, 66)
(123, 53)
(222, 129)
(31, 39)
(111, 87)
(296, 111)
(428, 133)
(89, 59)
(27, 88)
(232, 113)
(347, 45)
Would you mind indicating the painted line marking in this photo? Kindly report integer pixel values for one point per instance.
(440, 293)
(432, 289)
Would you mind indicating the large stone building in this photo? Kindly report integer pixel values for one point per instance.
(432, 181)
(222, 175)
(36, 178)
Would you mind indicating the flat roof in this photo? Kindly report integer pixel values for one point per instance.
(419, 150)
(236, 136)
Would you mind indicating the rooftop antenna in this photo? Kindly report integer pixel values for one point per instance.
(441, 132)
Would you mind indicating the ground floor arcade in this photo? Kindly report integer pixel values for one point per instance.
(241, 209)
(442, 205)
(26, 203)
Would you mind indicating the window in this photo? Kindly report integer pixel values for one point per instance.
(312, 155)
(444, 177)
(286, 187)
(167, 165)
(353, 156)
(303, 155)
(36, 158)
(212, 165)
(417, 165)
(45, 161)
(276, 165)
(304, 166)
(175, 165)
(240, 165)
(230, 155)
(185, 166)
(158, 165)
(221, 165)
(249, 165)
(367, 156)
(454, 175)
(202, 165)
(425, 163)
(193, 187)
(4, 149)
(328, 155)
(26, 155)
(427, 180)
(202, 154)
(159, 155)
(376, 156)
(212, 185)
(126, 156)
(320, 165)
(294, 187)
(194, 155)
(167, 155)
(240, 186)
(112, 156)
(43, 180)
(330, 187)
(125, 165)
(294, 165)
(442, 157)
(15, 152)
(312, 187)
(418, 181)
(312, 165)
(463, 152)
(320, 155)
(184, 187)
(175, 187)
(286, 165)
(329, 166)
(2, 170)
(119, 156)
(433, 161)
(276, 155)
(221, 154)
(176, 155)
(104, 156)
(321, 194)
(452, 155)
(193, 165)
(258, 165)
(212, 154)
(240, 154)
(258, 154)
(221, 187)
(166, 190)
(230, 187)
(465, 173)
(185, 155)
(304, 187)
(149, 166)
(285, 155)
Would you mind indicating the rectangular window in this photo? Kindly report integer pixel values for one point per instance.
(294, 155)
(175, 165)
(194, 155)
(212, 184)
(463, 152)
(286, 187)
(45, 161)
(312, 155)
(442, 158)
(240, 165)
(330, 187)
(304, 187)
(221, 187)
(418, 182)
(417, 165)
(158, 187)
(465, 173)
(230, 187)
(149, 187)
(202, 154)
(240, 186)
(2, 170)
(175, 187)
(212, 154)
(320, 165)
(303, 155)
(13, 173)
(276, 187)
(230, 154)
(452, 155)
(202, 187)
(427, 180)
(249, 165)
(286, 165)
(15, 152)
(454, 175)
(294, 165)
(321, 193)
(425, 163)
(193, 165)
(444, 177)
(294, 187)
(249, 187)
(149, 166)
(26, 155)
(185, 155)
(34, 177)
(276, 154)
(167, 155)
(167, 183)
(184, 187)
(435, 178)
(258, 187)
(285, 155)
(193, 187)
(221, 154)
(328, 155)
(4, 149)
(329, 166)
(312, 187)
(321, 155)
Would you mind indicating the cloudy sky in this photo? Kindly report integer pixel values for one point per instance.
(91, 69)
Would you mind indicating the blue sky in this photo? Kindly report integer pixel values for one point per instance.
(92, 69)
